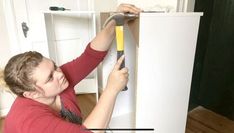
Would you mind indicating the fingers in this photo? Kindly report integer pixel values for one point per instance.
(129, 8)
(119, 62)
(118, 78)
(132, 8)
(124, 71)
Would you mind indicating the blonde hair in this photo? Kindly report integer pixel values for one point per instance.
(3, 84)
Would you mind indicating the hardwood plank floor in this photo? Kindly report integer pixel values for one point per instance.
(201, 120)
(1, 124)
(86, 103)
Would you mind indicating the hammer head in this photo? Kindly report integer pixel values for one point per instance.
(120, 17)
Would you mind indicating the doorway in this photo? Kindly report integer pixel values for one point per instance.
(213, 75)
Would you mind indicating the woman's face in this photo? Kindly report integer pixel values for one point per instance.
(49, 78)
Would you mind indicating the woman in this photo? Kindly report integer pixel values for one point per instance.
(46, 101)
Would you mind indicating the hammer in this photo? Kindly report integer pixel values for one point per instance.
(119, 32)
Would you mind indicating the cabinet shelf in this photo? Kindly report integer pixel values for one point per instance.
(68, 33)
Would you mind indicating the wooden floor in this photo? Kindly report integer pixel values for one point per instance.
(1, 124)
(86, 103)
(200, 120)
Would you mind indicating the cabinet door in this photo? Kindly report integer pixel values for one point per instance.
(30, 14)
(166, 53)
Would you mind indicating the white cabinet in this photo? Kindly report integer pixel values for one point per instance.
(160, 56)
(166, 51)
(68, 33)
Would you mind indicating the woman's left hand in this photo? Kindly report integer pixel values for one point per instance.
(128, 8)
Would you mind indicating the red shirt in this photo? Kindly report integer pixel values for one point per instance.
(29, 116)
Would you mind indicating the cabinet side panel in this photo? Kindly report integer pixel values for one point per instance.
(165, 61)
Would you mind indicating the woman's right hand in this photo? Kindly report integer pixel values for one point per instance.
(118, 78)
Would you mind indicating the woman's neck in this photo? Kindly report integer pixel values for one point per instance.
(53, 102)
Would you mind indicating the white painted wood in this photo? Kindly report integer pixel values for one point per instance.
(123, 121)
(167, 43)
(18, 12)
(4, 40)
(160, 72)
(11, 26)
(31, 12)
(68, 33)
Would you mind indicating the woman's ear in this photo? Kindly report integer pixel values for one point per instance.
(37, 93)
(32, 94)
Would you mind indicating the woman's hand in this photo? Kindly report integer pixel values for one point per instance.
(103, 40)
(117, 79)
(128, 8)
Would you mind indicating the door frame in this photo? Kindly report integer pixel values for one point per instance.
(11, 27)
(185, 5)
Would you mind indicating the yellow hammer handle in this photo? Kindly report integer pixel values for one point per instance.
(119, 38)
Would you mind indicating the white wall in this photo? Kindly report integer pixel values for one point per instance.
(4, 41)
(105, 5)
(110, 5)
(149, 5)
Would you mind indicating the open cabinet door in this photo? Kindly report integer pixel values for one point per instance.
(26, 26)
(15, 14)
